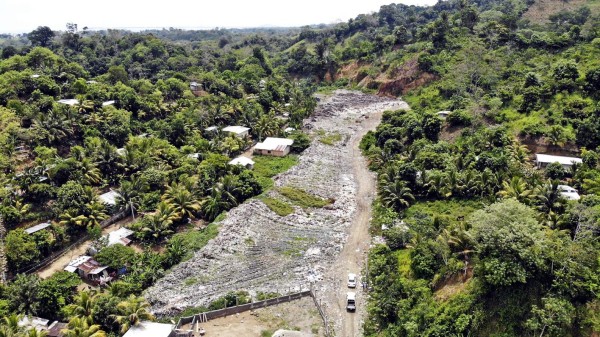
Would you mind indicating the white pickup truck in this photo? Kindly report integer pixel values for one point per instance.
(351, 301)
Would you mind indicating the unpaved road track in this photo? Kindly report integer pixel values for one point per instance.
(257, 250)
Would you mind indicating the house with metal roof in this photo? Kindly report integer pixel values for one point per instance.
(38, 227)
(149, 329)
(120, 236)
(89, 269)
(274, 146)
(568, 192)
(109, 198)
(68, 101)
(542, 160)
(240, 131)
(244, 161)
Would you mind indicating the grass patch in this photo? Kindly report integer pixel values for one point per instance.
(268, 166)
(330, 138)
(280, 208)
(403, 256)
(190, 281)
(451, 210)
(302, 198)
(194, 240)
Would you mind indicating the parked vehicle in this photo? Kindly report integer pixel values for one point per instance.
(351, 280)
(351, 302)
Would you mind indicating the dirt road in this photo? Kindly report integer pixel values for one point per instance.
(353, 256)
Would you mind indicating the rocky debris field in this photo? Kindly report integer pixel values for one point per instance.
(258, 250)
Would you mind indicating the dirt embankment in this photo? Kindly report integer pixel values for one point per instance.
(258, 250)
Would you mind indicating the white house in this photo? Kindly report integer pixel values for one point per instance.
(244, 161)
(568, 192)
(109, 198)
(444, 114)
(120, 236)
(149, 329)
(542, 160)
(240, 131)
(274, 146)
(69, 101)
(108, 103)
(38, 227)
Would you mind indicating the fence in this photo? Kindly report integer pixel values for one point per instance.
(207, 316)
(56, 255)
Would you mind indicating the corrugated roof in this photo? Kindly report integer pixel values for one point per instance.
(109, 197)
(149, 329)
(546, 158)
(115, 237)
(274, 144)
(236, 129)
(241, 160)
(69, 101)
(38, 227)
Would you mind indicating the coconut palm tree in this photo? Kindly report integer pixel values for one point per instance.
(515, 188)
(548, 197)
(132, 312)
(83, 306)
(81, 327)
(10, 325)
(397, 196)
(94, 214)
(182, 200)
(36, 333)
(130, 194)
(213, 205)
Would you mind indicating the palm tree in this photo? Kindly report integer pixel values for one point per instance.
(36, 333)
(10, 325)
(81, 327)
(67, 219)
(94, 214)
(90, 174)
(397, 196)
(156, 227)
(83, 306)
(130, 194)
(213, 205)
(515, 188)
(53, 127)
(182, 200)
(549, 198)
(132, 312)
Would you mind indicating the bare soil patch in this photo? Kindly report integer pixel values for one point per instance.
(299, 315)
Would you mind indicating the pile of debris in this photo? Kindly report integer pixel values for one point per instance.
(258, 250)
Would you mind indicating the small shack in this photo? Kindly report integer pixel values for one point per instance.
(120, 236)
(37, 323)
(38, 227)
(542, 160)
(239, 131)
(274, 147)
(89, 270)
(107, 103)
(244, 161)
(109, 198)
(147, 329)
(444, 114)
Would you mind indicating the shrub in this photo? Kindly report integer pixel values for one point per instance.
(279, 207)
(460, 118)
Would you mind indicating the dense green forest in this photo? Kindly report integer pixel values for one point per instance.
(478, 241)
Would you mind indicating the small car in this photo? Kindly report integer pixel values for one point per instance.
(351, 280)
